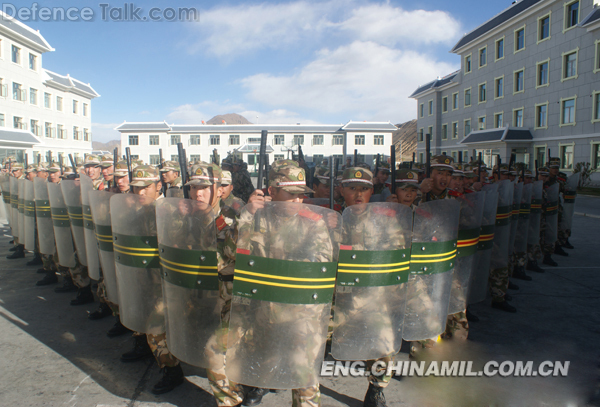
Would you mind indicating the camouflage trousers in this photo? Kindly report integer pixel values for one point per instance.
(457, 327)
(79, 274)
(534, 252)
(382, 379)
(308, 397)
(49, 262)
(103, 297)
(158, 344)
(520, 259)
(498, 283)
(547, 247)
(563, 235)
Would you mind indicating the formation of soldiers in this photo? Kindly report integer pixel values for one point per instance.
(256, 285)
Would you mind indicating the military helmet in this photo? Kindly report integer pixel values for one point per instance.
(106, 160)
(554, 162)
(442, 162)
(170, 166)
(121, 169)
(226, 178)
(54, 167)
(204, 174)
(357, 176)
(407, 178)
(144, 175)
(288, 175)
(92, 160)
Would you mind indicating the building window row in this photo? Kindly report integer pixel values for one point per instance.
(47, 130)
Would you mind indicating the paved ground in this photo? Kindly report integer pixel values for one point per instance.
(52, 355)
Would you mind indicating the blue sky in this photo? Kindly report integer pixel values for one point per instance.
(285, 62)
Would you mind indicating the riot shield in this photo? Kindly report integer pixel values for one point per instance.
(21, 210)
(29, 216)
(14, 206)
(91, 244)
(187, 241)
(479, 282)
(503, 220)
(514, 219)
(175, 193)
(137, 263)
(523, 222)
(432, 260)
(62, 226)
(533, 235)
(71, 192)
(469, 231)
(5, 186)
(284, 281)
(569, 196)
(551, 213)
(373, 264)
(44, 216)
(100, 206)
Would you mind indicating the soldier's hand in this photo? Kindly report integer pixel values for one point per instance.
(426, 185)
(392, 198)
(332, 220)
(257, 200)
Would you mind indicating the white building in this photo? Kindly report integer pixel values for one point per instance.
(40, 110)
(318, 141)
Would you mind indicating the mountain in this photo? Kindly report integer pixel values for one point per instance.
(405, 140)
(230, 118)
(108, 146)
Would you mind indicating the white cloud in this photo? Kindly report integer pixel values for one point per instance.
(104, 132)
(365, 80)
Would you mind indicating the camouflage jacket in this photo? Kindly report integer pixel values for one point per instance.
(227, 234)
(175, 184)
(233, 202)
(242, 185)
(374, 229)
(99, 184)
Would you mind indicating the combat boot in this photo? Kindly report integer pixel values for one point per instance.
(532, 265)
(512, 286)
(172, 377)
(548, 261)
(41, 271)
(13, 249)
(102, 311)
(504, 306)
(374, 397)
(18, 254)
(118, 329)
(140, 350)
(519, 273)
(253, 396)
(507, 297)
(84, 296)
(36, 261)
(559, 250)
(567, 245)
(49, 278)
(470, 316)
(67, 286)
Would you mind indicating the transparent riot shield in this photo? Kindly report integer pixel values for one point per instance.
(533, 234)
(373, 264)
(569, 201)
(469, 231)
(523, 223)
(479, 282)
(175, 193)
(72, 194)
(91, 244)
(187, 241)
(503, 220)
(284, 281)
(137, 265)
(551, 213)
(5, 186)
(43, 215)
(62, 226)
(100, 206)
(21, 210)
(514, 219)
(432, 261)
(29, 216)
(14, 206)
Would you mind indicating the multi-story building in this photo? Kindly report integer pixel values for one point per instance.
(529, 82)
(40, 110)
(318, 141)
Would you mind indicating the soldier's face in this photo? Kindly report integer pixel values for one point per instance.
(528, 180)
(42, 174)
(321, 190)
(356, 194)
(148, 193)
(226, 191)
(456, 184)
(123, 183)
(92, 171)
(553, 172)
(168, 176)
(279, 195)
(511, 177)
(544, 178)
(441, 180)
(382, 176)
(208, 194)
(17, 173)
(30, 176)
(406, 196)
(107, 173)
(54, 177)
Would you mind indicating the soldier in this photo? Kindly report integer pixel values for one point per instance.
(407, 187)
(546, 246)
(169, 174)
(242, 184)
(30, 174)
(93, 169)
(321, 183)
(554, 177)
(122, 177)
(227, 198)
(380, 189)
(107, 164)
(19, 249)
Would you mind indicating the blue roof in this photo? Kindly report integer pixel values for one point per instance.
(592, 17)
(21, 29)
(498, 135)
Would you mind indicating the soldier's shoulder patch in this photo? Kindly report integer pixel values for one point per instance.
(305, 213)
(454, 193)
(345, 247)
(384, 211)
(220, 223)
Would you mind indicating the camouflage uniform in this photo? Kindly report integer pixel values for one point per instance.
(242, 184)
(232, 201)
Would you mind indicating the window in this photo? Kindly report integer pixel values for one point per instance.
(500, 49)
(421, 110)
(566, 156)
(174, 158)
(337, 140)
(215, 140)
(47, 98)
(597, 58)
(16, 55)
(359, 140)
(430, 103)
(85, 109)
(298, 140)
(133, 156)
(444, 132)
(520, 39)
(542, 74)
(430, 132)
(86, 135)
(75, 107)
(278, 157)
(317, 158)
(519, 81)
(444, 104)
(18, 93)
(3, 86)
(454, 155)
(279, 140)
(196, 157)
(2, 121)
(596, 106)
(35, 128)
(499, 87)
(76, 133)
(481, 123)
(467, 127)
(421, 157)
(420, 136)
(455, 101)
(468, 63)
(153, 139)
(518, 117)
(154, 159)
(482, 94)
(455, 130)
(482, 57)
(318, 140)
(48, 130)
(195, 140)
(234, 139)
(467, 97)
(133, 140)
(62, 133)
(543, 28)
(59, 103)
(32, 62)
(569, 68)
(33, 96)
(567, 111)
(498, 120)
(595, 156)
(18, 123)
(571, 15)
(540, 154)
(175, 139)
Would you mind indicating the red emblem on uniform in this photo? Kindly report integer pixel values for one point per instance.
(345, 247)
(220, 222)
(305, 213)
(384, 211)
(243, 251)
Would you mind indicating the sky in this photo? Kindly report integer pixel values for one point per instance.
(272, 62)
